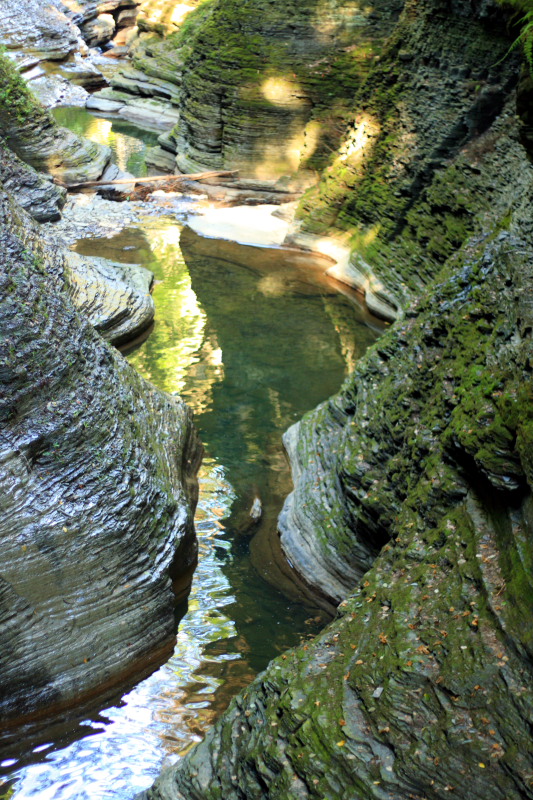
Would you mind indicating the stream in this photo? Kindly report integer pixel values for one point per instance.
(251, 348)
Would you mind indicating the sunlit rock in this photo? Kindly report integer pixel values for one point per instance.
(413, 485)
(115, 298)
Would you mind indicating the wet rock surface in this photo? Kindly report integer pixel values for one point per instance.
(412, 501)
(115, 298)
(98, 486)
(420, 687)
(35, 193)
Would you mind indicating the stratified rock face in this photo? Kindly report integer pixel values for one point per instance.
(35, 193)
(31, 132)
(427, 98)
(265, 84)
(422, 687)
(100, 20)
(259, 87)
(449, 187)
(38, 30)
(97, 487)
(147, 90)
(115, 298)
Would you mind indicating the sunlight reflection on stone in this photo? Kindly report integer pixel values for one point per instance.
(169, 711)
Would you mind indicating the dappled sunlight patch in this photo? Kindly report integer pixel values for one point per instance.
(282, 92)
(73, 5)
(327, 19)
(164, 16)
(311, 138)
(278, 159)
(360, 140)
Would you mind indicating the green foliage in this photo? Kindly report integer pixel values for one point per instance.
(17, 103)
(523, 18)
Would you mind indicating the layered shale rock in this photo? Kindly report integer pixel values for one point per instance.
(146, 91)
(37, 31)
(101, 20)
(422, 686)
(115, 298)
(31, 132)
(97, 477)
(258, 78)
(35, 193)
(413, 486)
(258, 87)
(426, 100)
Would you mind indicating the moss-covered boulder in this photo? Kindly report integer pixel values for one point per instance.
(97, 487)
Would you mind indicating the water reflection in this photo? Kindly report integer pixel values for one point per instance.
(128, 143)
(251, 346)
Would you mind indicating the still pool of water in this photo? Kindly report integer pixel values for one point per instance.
(252, 342)
(128, 143)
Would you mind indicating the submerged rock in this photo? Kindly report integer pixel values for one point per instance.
(97, 478)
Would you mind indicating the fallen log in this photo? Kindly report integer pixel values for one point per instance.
(196, 176)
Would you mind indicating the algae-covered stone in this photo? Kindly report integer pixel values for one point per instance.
(265, 86)
(428, 97)
(421, 687)
(413, 486)
(97, 478)
(260, 87)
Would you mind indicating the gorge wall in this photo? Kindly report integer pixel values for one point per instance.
(98, 492)
(30, 131)
(256, 86)
(97, 467)
(412, 502)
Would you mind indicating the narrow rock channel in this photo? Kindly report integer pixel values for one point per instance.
(245, 386)
(396, 141)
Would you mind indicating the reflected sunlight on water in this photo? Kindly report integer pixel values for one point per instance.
(127, 142)
(250, 354)
(167, 713)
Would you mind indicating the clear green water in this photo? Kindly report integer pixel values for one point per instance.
(252, 343)
(127, 142)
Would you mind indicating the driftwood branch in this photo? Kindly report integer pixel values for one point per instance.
(172, 179)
